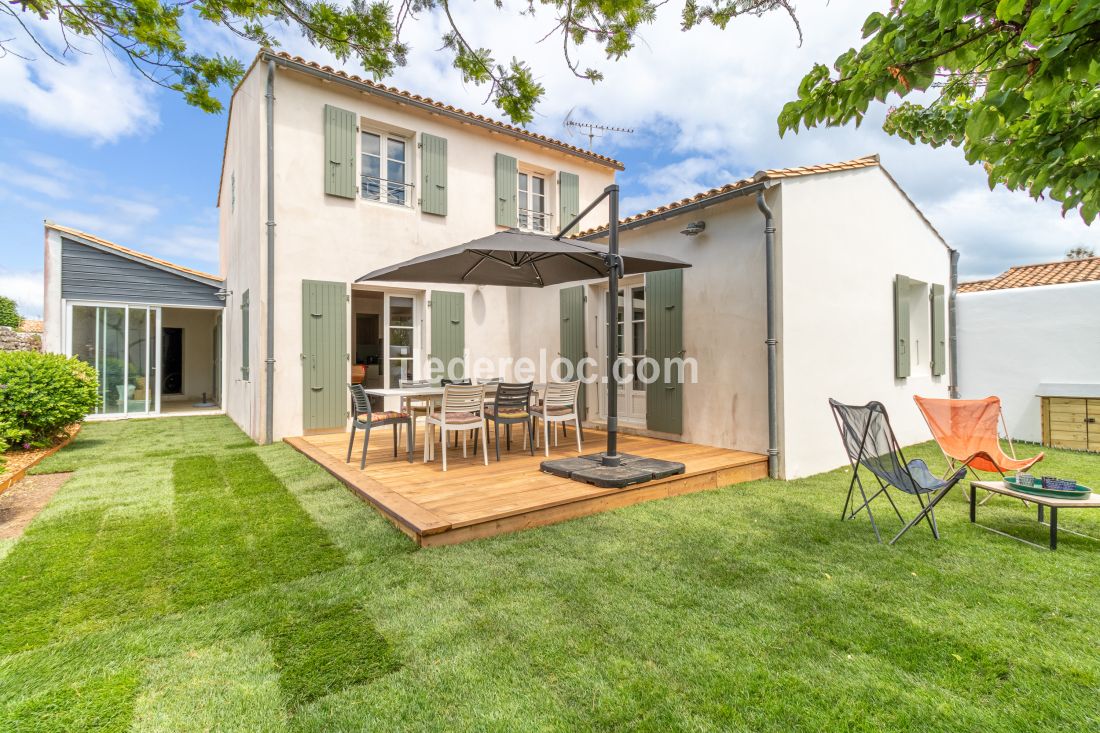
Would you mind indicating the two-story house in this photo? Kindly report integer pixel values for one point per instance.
(805, 283)
(326, 177)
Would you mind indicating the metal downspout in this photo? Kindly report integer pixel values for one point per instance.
(269, 362)
(952, 340)
(771, 341)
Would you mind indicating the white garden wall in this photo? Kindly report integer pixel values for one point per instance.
(1012, 340)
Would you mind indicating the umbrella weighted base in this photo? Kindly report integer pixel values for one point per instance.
(631, 470)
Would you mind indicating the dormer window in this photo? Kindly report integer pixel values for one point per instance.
(531, 202)
(384, 175)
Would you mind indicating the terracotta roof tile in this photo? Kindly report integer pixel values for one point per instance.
(31, 325)
(1044, 273)
(132, 252)
(772, 174)
(518, 131)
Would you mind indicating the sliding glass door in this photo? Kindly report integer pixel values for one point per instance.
(120, 341)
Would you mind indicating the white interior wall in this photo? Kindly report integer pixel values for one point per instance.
(198, 350)
(845, 236)
(1012, 340)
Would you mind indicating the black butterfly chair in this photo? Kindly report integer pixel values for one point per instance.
(366, 419)
(870, 443)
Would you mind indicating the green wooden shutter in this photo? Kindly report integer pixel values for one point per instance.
(902, 365)
(572, 332)
(664, 323)
(324, 354)
(433, 160)
(939, 331)
(448, 329)
(244, 336)
(507, 183)
(569, 197)
(339, 152)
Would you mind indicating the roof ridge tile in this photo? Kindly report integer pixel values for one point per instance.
(450, 108)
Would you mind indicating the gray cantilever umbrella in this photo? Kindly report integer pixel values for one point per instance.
(517, 259)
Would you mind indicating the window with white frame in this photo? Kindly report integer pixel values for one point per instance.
(384, 168)
(531, 201)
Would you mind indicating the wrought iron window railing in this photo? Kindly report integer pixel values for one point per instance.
(391, 192)
(535, 221)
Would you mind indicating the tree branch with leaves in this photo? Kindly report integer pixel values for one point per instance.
(148, 34)
(1014, 83)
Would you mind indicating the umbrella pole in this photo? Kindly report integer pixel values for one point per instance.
(611, 456)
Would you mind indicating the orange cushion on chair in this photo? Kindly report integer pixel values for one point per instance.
(507, 412)
(388, 415)
(459, 418)
(552, 411)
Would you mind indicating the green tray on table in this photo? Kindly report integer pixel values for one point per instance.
(1081, 492)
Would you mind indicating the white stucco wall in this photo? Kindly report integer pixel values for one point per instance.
(845, 236)
(724, 319)
(53, 311)
(241, 236)
(321, 237)
(1012, 340)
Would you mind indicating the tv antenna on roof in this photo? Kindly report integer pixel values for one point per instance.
(591, 129)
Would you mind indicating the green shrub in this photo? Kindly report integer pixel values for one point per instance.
(40, 394)
(9, 314)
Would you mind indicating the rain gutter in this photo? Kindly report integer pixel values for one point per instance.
(771, 341)
(952, 339)
(269, 309)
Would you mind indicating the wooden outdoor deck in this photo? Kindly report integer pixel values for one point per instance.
(472, 501)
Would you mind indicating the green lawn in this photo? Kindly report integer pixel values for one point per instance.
(187, 580)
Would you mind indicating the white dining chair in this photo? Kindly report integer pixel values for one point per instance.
(461, 409)
(559, 405)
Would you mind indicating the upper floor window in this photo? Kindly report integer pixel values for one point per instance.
(384, 169)
(531, 202)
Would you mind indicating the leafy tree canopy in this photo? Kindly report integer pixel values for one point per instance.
(1015, 83)
(148, 33)
(9, 313)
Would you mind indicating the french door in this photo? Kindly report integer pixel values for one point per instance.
(401, 347)
(120, 342)
(630, 348)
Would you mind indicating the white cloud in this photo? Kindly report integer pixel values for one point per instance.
(663, 184)
(130, 217)
(90, 95)
(1001, 229)
(195, 241)
(25, 288)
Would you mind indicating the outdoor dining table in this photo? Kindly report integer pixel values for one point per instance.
(433, 392)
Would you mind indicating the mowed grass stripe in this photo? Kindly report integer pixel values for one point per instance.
(234, 528)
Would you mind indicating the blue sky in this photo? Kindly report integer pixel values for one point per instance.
(90, 145)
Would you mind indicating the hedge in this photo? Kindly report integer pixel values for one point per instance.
(42, 394)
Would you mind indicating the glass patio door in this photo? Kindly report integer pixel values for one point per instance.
(120, 342)
(630, 347)
(402, 338)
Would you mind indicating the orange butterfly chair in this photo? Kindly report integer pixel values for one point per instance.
(966, 432)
